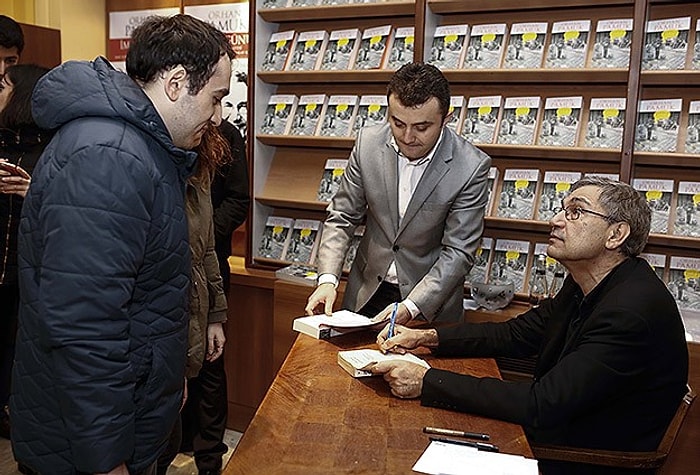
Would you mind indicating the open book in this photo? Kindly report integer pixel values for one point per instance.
(324, 327)
(357, 362)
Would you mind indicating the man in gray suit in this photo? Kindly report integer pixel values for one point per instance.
(422, 191)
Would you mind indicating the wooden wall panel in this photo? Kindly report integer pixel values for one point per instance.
(42, 46)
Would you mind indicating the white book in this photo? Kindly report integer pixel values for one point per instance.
(358, 362)
(456, 113)
(519, 120)
(481, 119)
(517, 200)
(509, 263)
(657, 125)
(480, 270)
(274, 3)
(338, 116)
(492, 184)
(448, 47)
(302, 242)
(560, 121)
(658, 194)
(555, 187)
(340, 51)
(656, 261)
(307, 114)
(666, 43)
(275, 237)
(606, 122)
(324, 327)
(612, 44)
(485, 46)
(371, 110)
(684, 282)
(373, 48)
(402, 47)
(277, 119)
(692, 135)
(688, 209)
(352, 248)
(303, 274)
(306, 52)
(569, 44)
(277, 51)
(525, 48)
(695, 54)
(330, 181)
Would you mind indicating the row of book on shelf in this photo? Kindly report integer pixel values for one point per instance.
(522, 120)
(530, 194)
(530, 45)
(296, 241)
(379, 47)
(508, 260)
(313, 3)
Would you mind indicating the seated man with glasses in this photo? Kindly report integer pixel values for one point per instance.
(612, 360)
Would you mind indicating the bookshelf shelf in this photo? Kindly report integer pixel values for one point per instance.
(684, 77)
(306, 141)
(555, 76)
(459, 6)
(325, 77)
(335, 12)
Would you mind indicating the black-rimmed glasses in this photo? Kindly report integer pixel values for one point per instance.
(572, 213)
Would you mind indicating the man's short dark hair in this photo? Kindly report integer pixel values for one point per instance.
(415, 83)
(11, 35)
(161, 43)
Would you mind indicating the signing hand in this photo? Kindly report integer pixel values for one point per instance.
(215, 341)
(404, 378)
(405, 339)
(324, 294)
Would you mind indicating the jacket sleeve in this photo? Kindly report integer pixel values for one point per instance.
(608, 358)
(345, 212)
(217, 298)
(95, 222)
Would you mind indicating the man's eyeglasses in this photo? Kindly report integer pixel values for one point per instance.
(572, 213)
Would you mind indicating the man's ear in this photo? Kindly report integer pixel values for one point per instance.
(617, 235)
(447, 118)
(175, 82)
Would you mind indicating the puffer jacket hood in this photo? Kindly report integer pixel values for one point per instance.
(96, 89)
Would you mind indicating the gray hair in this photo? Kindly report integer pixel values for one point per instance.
(623, 203)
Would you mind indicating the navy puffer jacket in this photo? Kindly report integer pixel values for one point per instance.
(104, 272)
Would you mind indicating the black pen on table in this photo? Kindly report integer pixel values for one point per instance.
(477, 445)
(455, 433)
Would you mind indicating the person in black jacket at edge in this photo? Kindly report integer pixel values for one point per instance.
(612, 363)
(21, 144)
(205, 412)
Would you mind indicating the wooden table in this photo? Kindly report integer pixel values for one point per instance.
(317, 419)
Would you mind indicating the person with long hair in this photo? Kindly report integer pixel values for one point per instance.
(207, 304)
(21, 144)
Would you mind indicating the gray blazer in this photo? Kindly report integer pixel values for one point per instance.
(434, 244)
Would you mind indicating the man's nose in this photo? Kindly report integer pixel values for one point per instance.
(216, 117)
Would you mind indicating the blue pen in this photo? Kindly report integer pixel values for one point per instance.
(392, 321)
